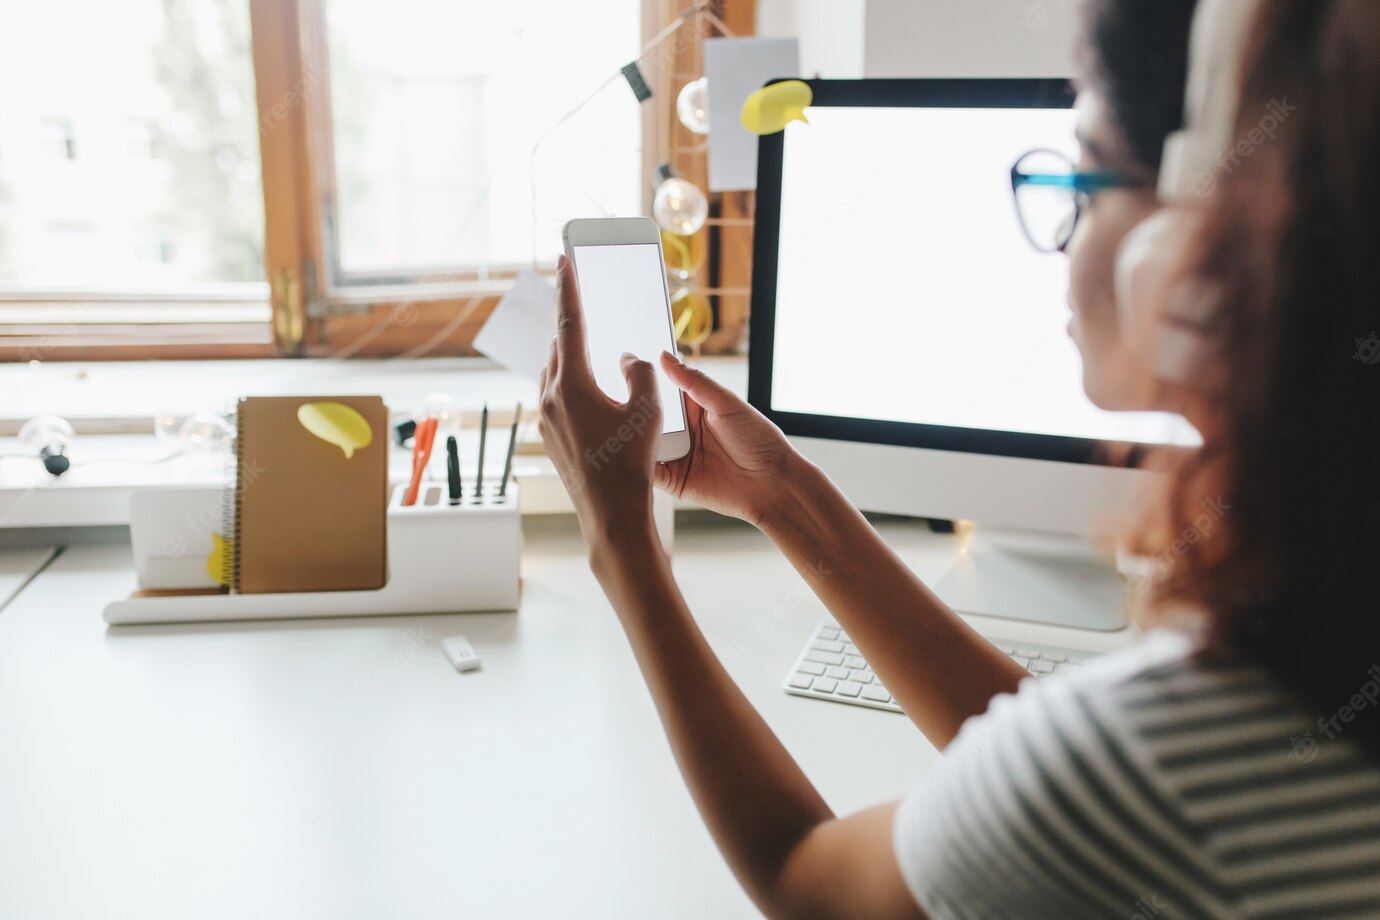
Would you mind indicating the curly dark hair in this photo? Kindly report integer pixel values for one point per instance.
(1291, 243)
(1139, 63)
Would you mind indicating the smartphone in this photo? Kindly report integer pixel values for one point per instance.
(622, 280)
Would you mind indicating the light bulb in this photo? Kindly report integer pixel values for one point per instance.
(679, 206)
(49, 435)
(166, 425)
(692, 105)
(206, 433)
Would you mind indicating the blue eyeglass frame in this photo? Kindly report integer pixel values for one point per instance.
(1084, 184)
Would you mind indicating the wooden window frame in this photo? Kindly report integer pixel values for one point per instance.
(312, 317)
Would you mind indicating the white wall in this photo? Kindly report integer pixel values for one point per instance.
(926, 38)
(968, 38)
(831, 32)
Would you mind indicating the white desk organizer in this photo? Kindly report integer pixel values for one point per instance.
(442, 558)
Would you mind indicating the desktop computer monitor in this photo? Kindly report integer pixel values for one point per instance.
(910, 341)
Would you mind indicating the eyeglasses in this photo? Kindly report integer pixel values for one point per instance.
(1051, 195)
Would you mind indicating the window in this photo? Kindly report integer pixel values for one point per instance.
(255, 177)
(59, 143)
(139, 143)
(92, 229)
(446, 143)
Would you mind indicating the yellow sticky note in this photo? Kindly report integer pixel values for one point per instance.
(773, 107)
(221, 559)
(338, 424)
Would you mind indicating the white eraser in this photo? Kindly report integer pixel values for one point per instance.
(460, 653)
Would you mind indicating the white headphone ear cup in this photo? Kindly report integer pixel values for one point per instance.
(1159, 306)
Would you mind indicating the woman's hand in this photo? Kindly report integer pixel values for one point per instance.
(738, 459)
(605, 451)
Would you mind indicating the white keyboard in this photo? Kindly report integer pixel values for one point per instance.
(830, 668)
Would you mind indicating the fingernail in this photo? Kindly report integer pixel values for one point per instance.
(560, 263)
(629, 356)
(674, 357)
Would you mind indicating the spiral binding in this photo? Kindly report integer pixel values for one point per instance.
(231, 507)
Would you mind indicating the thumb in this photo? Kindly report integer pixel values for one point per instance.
(699, 386)
(643, 393)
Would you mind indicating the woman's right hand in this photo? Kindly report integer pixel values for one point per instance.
(738, 459)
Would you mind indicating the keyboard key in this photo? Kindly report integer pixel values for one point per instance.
(1027, 653)
(1054, 656)
(836, 673)
(825, 645)
(862, 676)
(854, 661)
(824, 684)
(801, 681)
(829, 632)
(849, 648)
(1042, 667)
(1022, 661)
(811, 667)
(848, 688)
(876, 694)
(1007, 649)
(824, 658)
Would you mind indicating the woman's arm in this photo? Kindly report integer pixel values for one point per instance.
(938, 668)
(789, 852)
(794, 858)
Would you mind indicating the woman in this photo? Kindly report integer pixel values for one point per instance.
(1230, 768)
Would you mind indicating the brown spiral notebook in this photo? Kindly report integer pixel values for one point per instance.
(305, 517)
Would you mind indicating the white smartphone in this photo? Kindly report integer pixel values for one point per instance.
(621, 275)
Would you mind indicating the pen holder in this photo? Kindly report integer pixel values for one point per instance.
(452, 558)
(442, 558)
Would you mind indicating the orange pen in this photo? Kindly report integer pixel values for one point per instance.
(421, 456)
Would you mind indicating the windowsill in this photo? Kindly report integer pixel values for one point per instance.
(113, 405)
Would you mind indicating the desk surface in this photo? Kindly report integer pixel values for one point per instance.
(344, 769)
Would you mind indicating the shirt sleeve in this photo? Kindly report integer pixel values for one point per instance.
(1036, 812)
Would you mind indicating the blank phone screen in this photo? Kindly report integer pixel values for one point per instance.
(623, 290)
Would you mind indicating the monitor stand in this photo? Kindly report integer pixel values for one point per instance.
(1037, 578)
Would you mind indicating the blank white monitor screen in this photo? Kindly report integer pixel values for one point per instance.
(906, 290)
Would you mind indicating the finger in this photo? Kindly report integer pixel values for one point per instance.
(643, 391)
(570, 320)
(664, 476)
(699, 386)
(553, 360)
(548, 370)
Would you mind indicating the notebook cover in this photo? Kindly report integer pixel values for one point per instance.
(308, 518)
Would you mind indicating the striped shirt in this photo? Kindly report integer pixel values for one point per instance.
(1147, 786)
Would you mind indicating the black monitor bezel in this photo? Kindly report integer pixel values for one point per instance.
(890, 93)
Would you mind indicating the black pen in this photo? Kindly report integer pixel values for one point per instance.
(453, 469)
(483, 435)
(512, 443)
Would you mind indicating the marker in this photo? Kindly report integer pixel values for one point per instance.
(512, 443)
(453, 469)
(483, 436)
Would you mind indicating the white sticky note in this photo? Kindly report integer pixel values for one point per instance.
(736, 68)
(518, 333)
(170, 532)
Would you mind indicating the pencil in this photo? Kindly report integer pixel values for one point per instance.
(483, 436)
(512, 443)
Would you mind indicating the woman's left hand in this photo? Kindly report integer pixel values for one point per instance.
(605, 451)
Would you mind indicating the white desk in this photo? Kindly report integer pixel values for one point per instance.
(342, 769)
